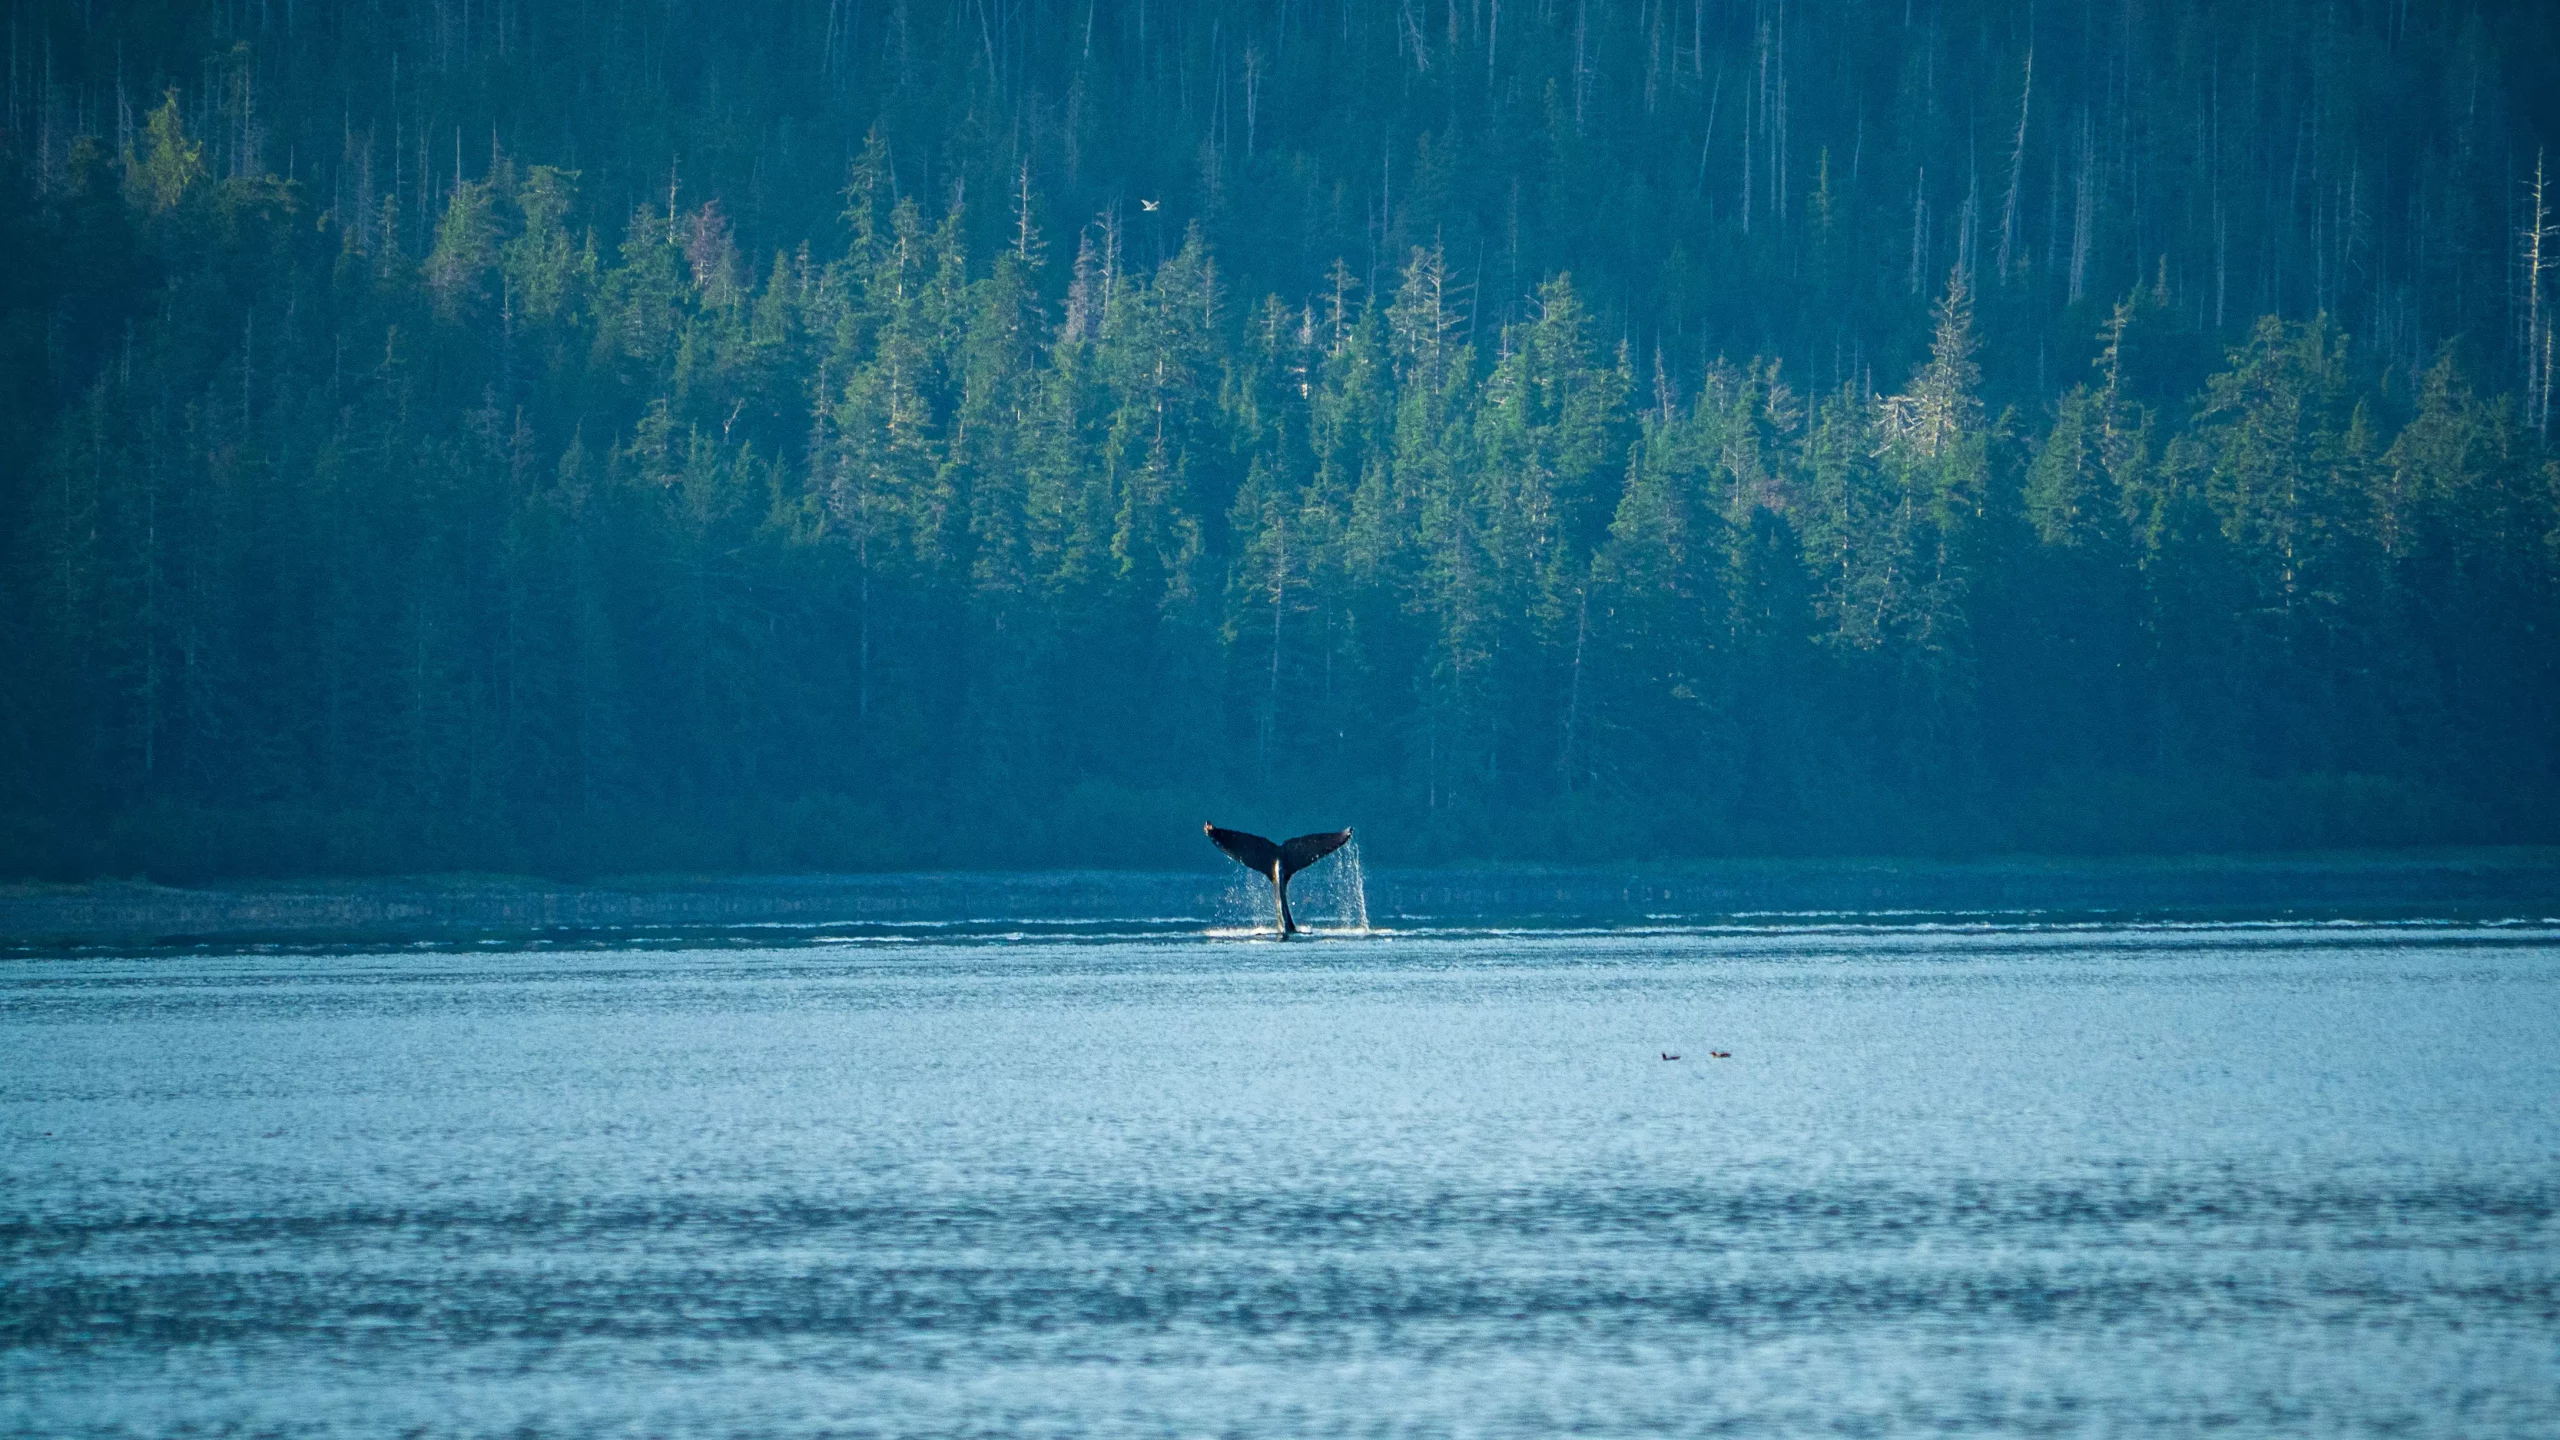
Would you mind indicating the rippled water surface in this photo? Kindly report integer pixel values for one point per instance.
(1999, 1180)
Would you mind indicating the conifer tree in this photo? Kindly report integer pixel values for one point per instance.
(171, 161)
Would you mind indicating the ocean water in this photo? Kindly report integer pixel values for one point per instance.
(1144, 1180)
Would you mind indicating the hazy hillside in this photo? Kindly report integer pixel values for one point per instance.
(587, 435)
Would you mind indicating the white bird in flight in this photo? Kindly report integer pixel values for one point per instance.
(1149, 204)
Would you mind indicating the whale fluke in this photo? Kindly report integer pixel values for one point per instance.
(1298, 854)
(1250, 851)
(1279, 862)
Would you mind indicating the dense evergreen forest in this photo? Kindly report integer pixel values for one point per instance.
(576, 435)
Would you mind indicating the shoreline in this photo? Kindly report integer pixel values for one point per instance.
(2502, 883)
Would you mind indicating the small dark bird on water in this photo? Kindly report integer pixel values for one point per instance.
(1721, 1054)
(1667, 1055)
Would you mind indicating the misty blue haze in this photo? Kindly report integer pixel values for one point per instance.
(1142, 1181)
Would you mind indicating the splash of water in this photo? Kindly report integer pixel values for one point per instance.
(1334, 896)
(1246, 903)
(1357, 883)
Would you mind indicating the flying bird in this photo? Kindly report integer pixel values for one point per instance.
(1149, 204)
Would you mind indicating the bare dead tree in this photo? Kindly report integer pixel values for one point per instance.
(2017, 166)
(2537, 251)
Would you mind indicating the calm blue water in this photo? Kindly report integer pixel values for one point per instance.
(1987, 1180)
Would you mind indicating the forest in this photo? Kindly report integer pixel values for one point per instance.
(615, 436)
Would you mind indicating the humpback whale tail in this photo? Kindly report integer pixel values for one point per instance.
(1279, 862)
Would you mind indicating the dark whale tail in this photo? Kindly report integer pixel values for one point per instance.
(1279, 862)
